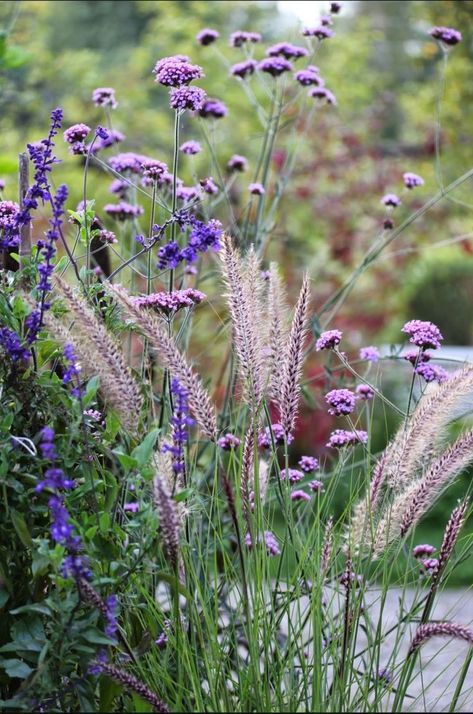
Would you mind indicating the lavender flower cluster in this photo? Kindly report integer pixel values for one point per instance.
(180, 424)
(425, 335)
(170, 302)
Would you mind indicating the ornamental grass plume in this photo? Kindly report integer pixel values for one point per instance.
(450, 536)
(172, 359)
(133, 684)
(246, 324)
(440, 629)
(292, 365)
(166, 509)
(99, 354)
(278, 330)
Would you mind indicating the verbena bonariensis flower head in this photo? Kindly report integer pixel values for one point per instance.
(107, 237)
(275, 66)
(209, 186)
(113, 137)
(423, 333)
(293, 475)
(191, 98)
(335, 7)
(316, 486)
(446, 35)
(256, 189)
(328, 340)
(243, 69)
(341, 401)
(2, 185)
(308, 464)
(227, 442)
(237, 163)
(213, 108)
(326, 20)
(309, 76)
(364, 391)
(170, 302)
(412, 180)
(391, 200)
(119, 187)
(123, 211)
(8, 213)
(207, 36)
(190, 147)
(323, 95)
(430, 566)
(104, 97)
(432, 373)
(270, 542)
(154, 169)
(176, 72)
(421, 551)
(287, 50)
(340, 438)
(370, 353)
(75, 137)
(416, 356)
(322, 32)
(239, 38)
(264, 437)
(299, 495)
(128, 161)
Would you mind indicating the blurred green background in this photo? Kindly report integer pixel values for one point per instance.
(395, 98)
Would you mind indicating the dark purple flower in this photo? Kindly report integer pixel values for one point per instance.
(209, 186)
(323, 95)
(335, 7)
(191, 98)
(309, 76)
(275, 66)
(187, 193)
(430, 566)
(264, 437)
(239, 38)
(270, 542)
(328, 340)
(420, 551)
(316, 486)
(308, 464)
(256, 189)
(111, 628)
(72, 371)
(2, 185)
(431, 373)
(11, 344)
(412, 180)
(108, 237)
(341, 401)
(388, 224)
(119, 187)
(424, 334)
(190, 147)
(122, 211)
(446, 35)
(285, 49)
(75, 136)
(321, 33)
(170, 302)
(326, 20)
(104, 97)
(391, 200)
(416, 356)
(293, 475)
(370, 354)
(364, 391)
(154, 169)
(340, 438)
(176, 72)
(128, 161)
(237, 163)
(207, 36)
(229, 442)
(180, 424)
(213, 108)
(385, 675)
(243, 69)
(169, 256)
(299, 495)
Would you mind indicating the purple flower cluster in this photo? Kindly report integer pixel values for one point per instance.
(123, 211)
(309, 76)
(364, 391)
(107, 237)
(176, 71)
(340, 438)
(111, 628)
(270, 542)
(256, 189)
(424, 334)
(192, 98)
(328, 340)
(104, 141)
(370, 354)
(72, 371)
(286, 50)
(190, 147)
(202, 237)
(299, 495)
(446, 35)
(128, 161)
(390, 200)
(293, 475)
(322, 32)
(237, 163)
(322, 94)
(308, 464)
(430, 566)
(264, 437)
(207, 36)
(213, 108)
(421, 551)
(243, 69)
(412, 180)
(341, 401)
(209, 186)
(12, 346)
(316, 486)
(275, 66)
(104, 97)
(170, 302)
(227, 442)
(431, 373)
(239, 38)
(180, 423)
(75, 137)
(154, 170)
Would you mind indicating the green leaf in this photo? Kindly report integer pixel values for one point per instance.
(95, 637)
(3, 597)
(37, 607)
(128, 462)
(19, 524)
(142, 453)
(16, 668)
(92, 388)
(108, 691)
(140, 704)
(104, 522)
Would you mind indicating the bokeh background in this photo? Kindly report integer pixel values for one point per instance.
(396, 98)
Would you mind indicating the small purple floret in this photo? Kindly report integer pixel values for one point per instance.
(328, 340)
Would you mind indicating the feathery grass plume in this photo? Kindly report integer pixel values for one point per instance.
(246, 483)
(450, 536)
(101, 355)
(408, 507)
(327, 547)
(415, 445)
(168, 521)
(171, 357)
(133, 684)
(366, 507)
(292, 366)
(440, 629)
(278, 330)
(246, 325)
(255, 289)
(174, 483)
